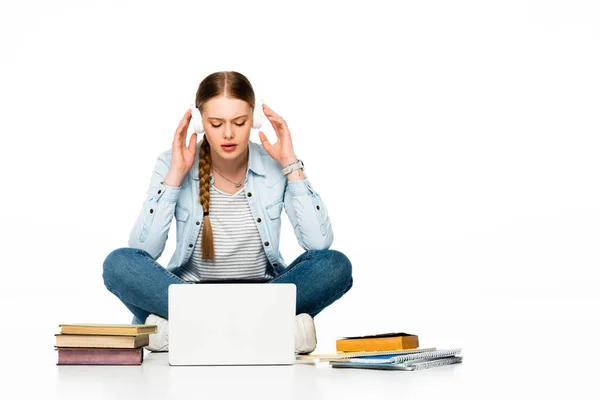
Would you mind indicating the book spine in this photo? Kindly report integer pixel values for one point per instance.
(100, 357)
(70, 340)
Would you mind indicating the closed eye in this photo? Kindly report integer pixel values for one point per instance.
(216, 126)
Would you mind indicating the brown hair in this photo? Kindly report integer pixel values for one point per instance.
(224, 83)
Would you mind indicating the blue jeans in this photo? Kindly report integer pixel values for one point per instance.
(321, 277)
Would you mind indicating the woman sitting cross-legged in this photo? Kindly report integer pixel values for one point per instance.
(228, 223)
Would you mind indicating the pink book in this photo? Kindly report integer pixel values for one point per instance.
(99, 356)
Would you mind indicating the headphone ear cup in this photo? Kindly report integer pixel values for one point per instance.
(257, 115)
(196, 120)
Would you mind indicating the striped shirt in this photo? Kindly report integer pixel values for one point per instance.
(239, 252)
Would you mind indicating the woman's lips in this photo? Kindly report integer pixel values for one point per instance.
(228, 148)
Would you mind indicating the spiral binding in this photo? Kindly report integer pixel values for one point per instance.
(436, 363)
(427, 354)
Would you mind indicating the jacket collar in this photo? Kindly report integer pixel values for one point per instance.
(255, 162)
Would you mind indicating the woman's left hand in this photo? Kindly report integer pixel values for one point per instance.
(282, 150)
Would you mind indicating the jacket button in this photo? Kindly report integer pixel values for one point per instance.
(275, 264)
(318, 208)
(191, 245)
(151, 211)
(159, 191)
(258, 219)
(249, 194)
(266, 243)
(197, 222)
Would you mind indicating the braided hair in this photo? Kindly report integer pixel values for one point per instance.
(224, 83)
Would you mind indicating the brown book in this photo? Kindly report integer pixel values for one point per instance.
(108, 329)
(96, 356)
(383, 341)
(104, 341)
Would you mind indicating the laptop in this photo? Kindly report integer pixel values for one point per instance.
(232, 323)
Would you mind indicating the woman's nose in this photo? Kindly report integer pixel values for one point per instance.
(228, 131)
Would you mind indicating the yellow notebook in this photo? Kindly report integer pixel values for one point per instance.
(108, 329)
(382, 341)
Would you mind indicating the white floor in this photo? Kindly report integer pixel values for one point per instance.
(545, 362)
(516, 344)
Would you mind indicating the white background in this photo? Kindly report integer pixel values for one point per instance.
(455, 145)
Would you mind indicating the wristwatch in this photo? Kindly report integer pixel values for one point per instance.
(292, 167)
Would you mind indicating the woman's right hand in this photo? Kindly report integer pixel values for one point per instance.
(182, 157)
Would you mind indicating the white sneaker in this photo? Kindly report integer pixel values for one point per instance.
(306, 334)
(158, 341)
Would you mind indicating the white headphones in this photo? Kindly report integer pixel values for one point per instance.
(199, 127)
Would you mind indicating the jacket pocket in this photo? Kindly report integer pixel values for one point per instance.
(274, 209)
(181, 213)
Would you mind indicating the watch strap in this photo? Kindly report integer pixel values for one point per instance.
(292, 167)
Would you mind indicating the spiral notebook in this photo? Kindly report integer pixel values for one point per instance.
(395, 359)
(402, 366)
(349, 354)
(404, 362)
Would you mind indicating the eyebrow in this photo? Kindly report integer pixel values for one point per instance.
(221, 119)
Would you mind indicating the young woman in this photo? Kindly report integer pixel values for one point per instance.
(228, 223)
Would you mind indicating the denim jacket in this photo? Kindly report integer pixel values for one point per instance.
(268, 192)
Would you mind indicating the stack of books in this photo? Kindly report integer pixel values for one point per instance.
(102, 344)
(387, 351)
